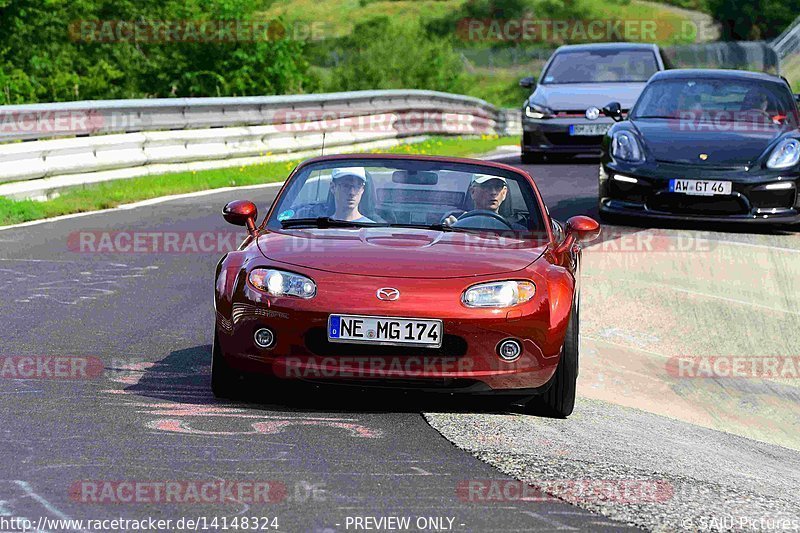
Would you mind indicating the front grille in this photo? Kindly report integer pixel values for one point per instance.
(316, 341)
(774, 198)
(566, 139)
(697, 205)
(452, 384)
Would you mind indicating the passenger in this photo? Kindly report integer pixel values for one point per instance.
(347, 187)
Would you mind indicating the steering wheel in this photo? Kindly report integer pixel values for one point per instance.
(482, 213)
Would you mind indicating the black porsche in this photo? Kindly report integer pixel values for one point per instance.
(714, 145)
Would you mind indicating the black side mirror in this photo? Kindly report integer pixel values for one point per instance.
(797, 98)
(528, 83)
(613, 110)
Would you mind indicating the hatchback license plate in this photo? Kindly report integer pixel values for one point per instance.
(700, 187)
(385, 330)
(589, 129)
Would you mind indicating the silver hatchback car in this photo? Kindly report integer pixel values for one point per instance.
(563, 115)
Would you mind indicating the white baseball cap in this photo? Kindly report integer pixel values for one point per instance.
(357, 172)
(483, 178)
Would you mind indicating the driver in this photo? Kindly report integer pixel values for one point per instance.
(347, 187)
(488, 193)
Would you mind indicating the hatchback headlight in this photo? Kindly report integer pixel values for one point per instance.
(281, 283)
(785, 155)
(538, 111)
(625, 146)
(498, 294)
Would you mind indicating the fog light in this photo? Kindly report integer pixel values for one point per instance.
(264, 338)
(509, 350)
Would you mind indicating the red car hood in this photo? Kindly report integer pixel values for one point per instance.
(399, 252)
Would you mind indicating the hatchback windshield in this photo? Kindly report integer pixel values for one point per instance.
(716, 100)
(601, 66)
(408, 193)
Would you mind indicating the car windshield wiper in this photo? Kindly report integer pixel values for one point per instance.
(435, 227)
(326, 222)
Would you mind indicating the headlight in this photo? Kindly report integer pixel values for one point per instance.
(785, 155)
(498, 294)
(280, 283)
(625, 146)
(538, 111)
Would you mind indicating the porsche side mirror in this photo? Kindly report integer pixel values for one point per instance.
(241, 213)
(528, 83)
(613, 110)
(579, 229)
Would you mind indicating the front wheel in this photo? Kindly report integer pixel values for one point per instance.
(224, 379)
(559, 400)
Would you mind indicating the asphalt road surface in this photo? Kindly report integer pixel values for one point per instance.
(142, 323)
(70, 445)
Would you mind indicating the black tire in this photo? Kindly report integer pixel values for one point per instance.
(559, 400)
(531, 158)
(224, 379)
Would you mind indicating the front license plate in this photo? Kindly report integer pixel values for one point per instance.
(589, 129)
(385, 330)
(700, 187)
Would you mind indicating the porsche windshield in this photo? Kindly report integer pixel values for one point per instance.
(408, 193)
(727, 100)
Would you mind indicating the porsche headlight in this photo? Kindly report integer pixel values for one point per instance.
(625, 146)
(785, 155)
(538, 111)
(498, 294)
(281, 283)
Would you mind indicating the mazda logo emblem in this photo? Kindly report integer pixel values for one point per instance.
(388, 294)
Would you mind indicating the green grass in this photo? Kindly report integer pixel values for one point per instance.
(790, 68)
(114, 193)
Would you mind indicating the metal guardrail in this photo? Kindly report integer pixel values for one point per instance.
(53, 146)
(788, 42)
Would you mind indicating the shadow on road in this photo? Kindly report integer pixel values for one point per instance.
(184, 376)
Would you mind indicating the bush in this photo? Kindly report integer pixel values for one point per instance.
(754, 19)
(42, 60)
(380, 54)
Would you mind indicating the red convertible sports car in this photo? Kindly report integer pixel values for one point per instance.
(405, 271)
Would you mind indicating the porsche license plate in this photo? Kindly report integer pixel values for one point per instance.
(385, 330)
(589, 129)
(700, 187)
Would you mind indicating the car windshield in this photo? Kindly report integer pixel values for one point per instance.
(409, 193)
(601, 66)
(716, 100)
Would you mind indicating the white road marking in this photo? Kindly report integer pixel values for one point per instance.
(44, 503)
(558, 525)
(143, 203)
